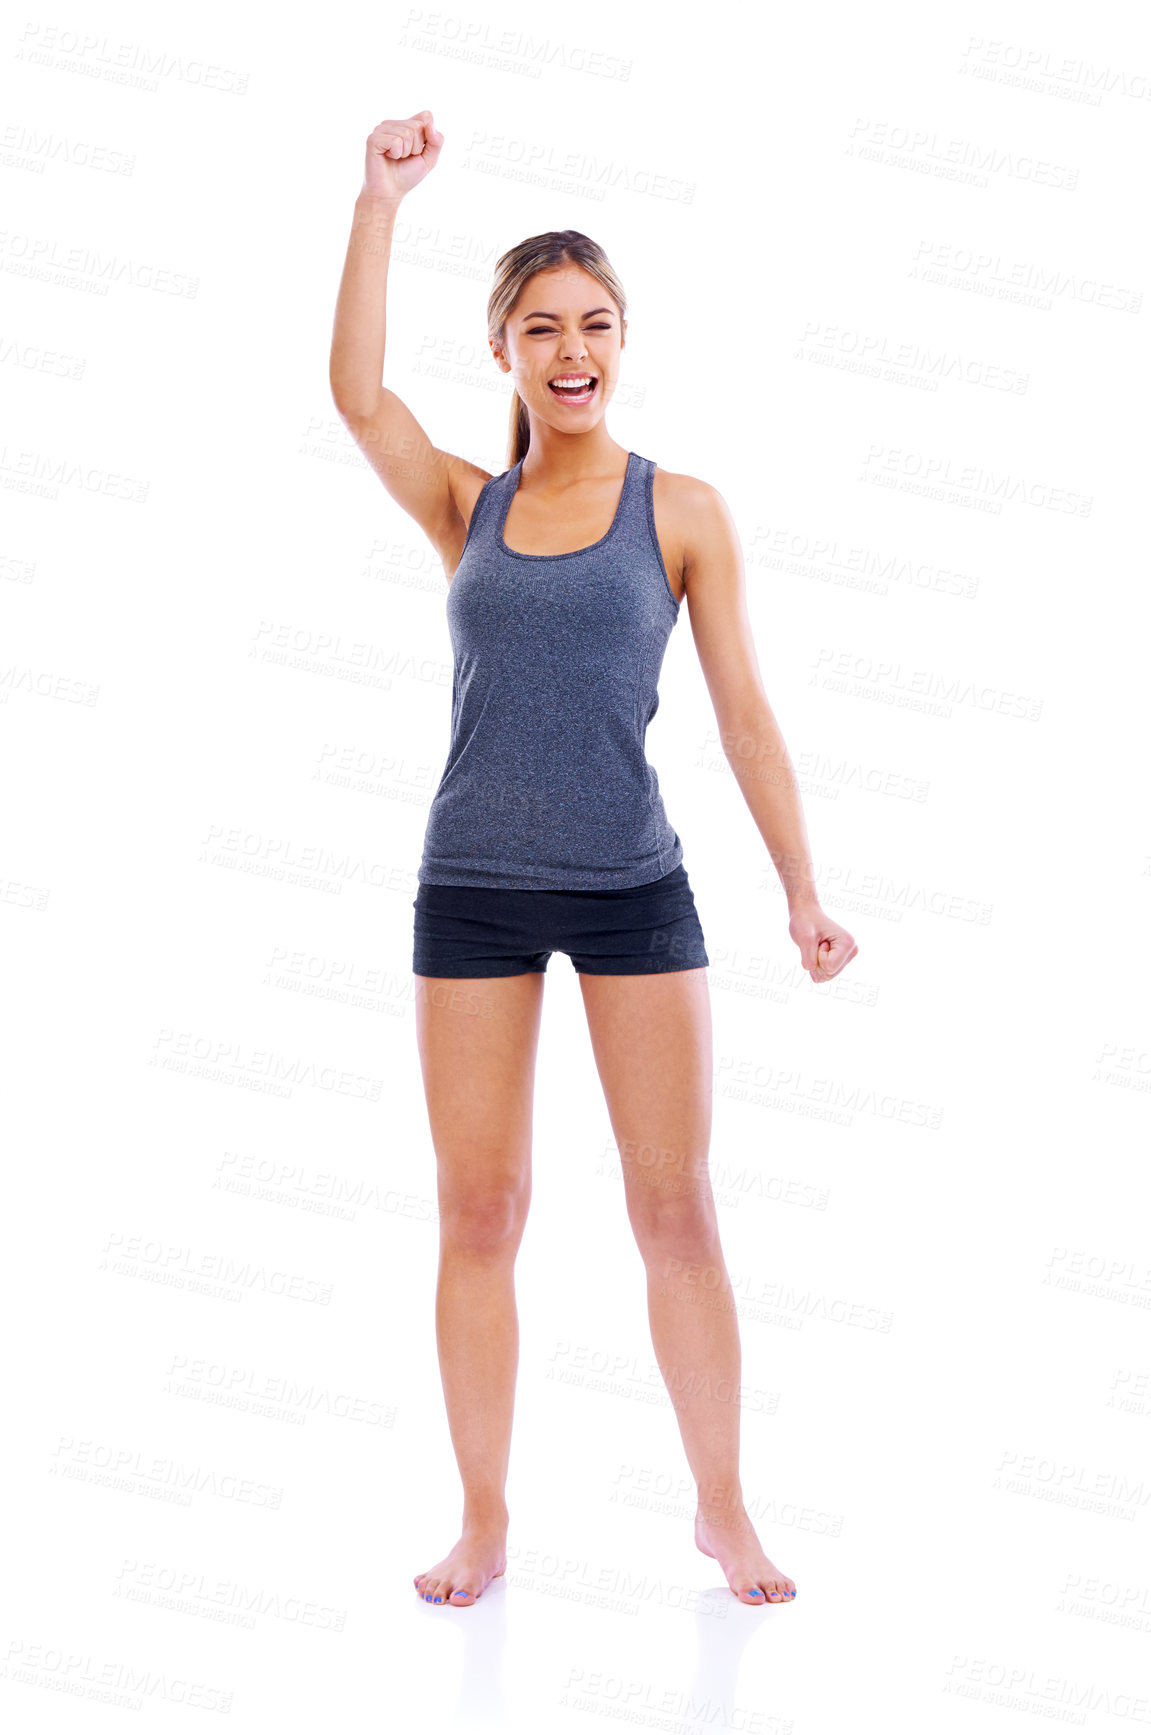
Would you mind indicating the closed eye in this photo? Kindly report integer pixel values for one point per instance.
(548, 330)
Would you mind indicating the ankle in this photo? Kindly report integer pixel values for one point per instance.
(720, 1503)
(485, 1512)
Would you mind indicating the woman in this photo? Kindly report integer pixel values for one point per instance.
(547, 832)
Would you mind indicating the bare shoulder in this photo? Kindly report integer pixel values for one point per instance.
(693, 521)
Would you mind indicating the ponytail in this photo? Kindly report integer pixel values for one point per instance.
(519, 430)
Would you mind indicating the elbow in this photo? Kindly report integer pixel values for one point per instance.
(749, 726)
(354, 401)
(752, 738)
(352, 408)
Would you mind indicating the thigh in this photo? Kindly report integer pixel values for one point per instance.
(477, 1040)
(652, 1040)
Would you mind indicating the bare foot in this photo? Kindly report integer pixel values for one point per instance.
(467, 1569)
(730, 1538)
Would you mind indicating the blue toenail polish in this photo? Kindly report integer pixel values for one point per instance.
(439, 1599)
(427, 1596)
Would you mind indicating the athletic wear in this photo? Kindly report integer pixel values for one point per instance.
(556, 662)
(629, 931)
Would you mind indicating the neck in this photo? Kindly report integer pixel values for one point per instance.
(555, 459)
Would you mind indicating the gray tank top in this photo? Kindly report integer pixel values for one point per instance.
(556, 663)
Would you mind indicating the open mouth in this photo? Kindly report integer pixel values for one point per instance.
(574, 388)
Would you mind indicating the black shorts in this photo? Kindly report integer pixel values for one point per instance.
(487, 931)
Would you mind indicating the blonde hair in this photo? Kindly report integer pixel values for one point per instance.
(513, 269)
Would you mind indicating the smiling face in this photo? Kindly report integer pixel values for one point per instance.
(562, 347)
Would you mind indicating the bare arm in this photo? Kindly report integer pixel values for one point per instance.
(435, 487)
(752, 743)
(360, 327)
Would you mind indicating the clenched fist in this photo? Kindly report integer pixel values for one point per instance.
(400, 153)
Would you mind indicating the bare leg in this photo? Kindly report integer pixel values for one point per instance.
(651, 1036)
(477, 1041)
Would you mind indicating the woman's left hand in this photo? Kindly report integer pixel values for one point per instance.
(824, 947)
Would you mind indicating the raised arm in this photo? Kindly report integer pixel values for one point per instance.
(716, 594)
(437, 488)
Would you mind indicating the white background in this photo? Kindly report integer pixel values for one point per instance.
(845, 234)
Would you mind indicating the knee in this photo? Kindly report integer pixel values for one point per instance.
(484, 1221)
(678, 1233)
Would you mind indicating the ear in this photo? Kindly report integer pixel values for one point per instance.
(501, 360)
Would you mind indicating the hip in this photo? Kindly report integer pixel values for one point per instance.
(469, 930)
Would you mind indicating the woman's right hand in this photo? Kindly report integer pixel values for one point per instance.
(400, 153)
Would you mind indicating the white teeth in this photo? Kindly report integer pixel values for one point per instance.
(574, 380)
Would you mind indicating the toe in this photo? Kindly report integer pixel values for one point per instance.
(774, 1590)
(467, 1588)
(750, 1593)
(460, 1598)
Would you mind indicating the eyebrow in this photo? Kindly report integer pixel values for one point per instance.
(594, 310)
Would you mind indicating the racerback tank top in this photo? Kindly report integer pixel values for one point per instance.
(557, 657)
